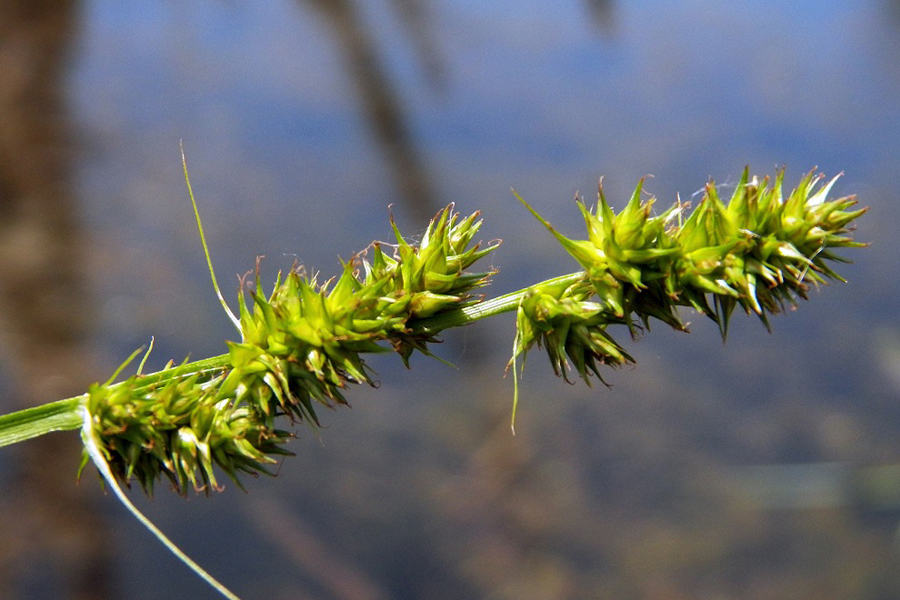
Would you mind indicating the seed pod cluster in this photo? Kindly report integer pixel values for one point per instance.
(561, 318)
(300, 348)
(760, 251)
(302, 344)
(177, 427)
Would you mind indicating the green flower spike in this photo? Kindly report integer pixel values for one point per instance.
(620, 255)
(430, 278)
(172, 426)
(300, 347)
(760, 251)
(560, 318)
(304, 343)
(773, 249)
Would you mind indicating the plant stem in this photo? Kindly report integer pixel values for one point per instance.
(64, 415)
(482, 310)
(32, 422)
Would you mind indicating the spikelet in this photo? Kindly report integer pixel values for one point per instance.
(761, 252)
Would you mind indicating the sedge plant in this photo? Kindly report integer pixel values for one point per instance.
(303, 342)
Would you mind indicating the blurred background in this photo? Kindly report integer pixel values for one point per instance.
(765, 468)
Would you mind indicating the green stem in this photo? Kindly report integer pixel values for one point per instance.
(64, 415)
(25, 424)
(495, 306)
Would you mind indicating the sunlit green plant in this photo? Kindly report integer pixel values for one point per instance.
(304, 342)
